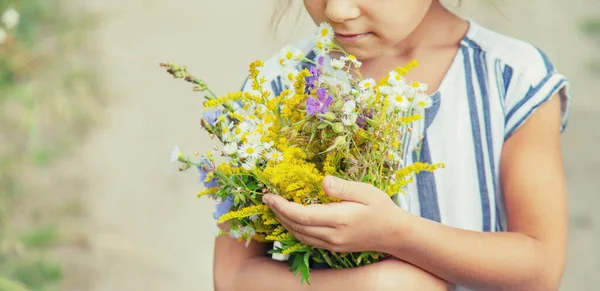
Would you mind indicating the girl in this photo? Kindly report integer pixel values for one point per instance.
(493, 219)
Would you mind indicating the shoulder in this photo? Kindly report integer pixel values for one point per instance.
(524, 60)
(526, 77)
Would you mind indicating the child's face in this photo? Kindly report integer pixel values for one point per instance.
(369, 28)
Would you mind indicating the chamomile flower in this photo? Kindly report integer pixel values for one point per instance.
(349, 119)
(289, 56)
(386, 90)
(338, 64)
(367, 84)
(399, 102)
(249, 164)
(274, 155)
(228, 133)
(423, 101)
(349, 107)
(254, 137)
(289, 77)
(395, 79)
(249, 150)
(417, 88)
(322, 47)
(176, 154)
(325, 32)
(230, 148)
(267, 145)
(352, 60)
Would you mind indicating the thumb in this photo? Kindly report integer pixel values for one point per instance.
(347, 190)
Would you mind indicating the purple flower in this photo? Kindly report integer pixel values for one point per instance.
(204, 170)
(223, 207)
(361, 121)
(212, 116)
(311, 81)
(318, 106)
(321, 60)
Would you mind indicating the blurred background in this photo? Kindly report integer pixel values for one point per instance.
(88, 198)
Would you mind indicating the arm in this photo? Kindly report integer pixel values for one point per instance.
(239, 268)
(531, 255)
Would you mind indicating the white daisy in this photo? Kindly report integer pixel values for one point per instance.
(416, 88)
(365, 96)
(254, 137)
(10, 18)
(352, 60)
(395, 79)
(423, 101)
(399, 102)
(322, 48)
(289, 77)
(325, 32)
(289, 56)
(176, 154)
(230, 148)
(274, 155)
(249, 164)
(385, 90)
(228, 133)
(338, 64)
(267, 145)
(250, 151)
(349, 119)
(367, 84)
(349, 107)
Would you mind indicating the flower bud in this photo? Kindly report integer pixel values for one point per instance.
(338, 128)
(329, 116)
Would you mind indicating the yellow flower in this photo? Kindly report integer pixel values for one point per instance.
(244, 212)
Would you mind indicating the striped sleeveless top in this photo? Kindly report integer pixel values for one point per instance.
(493, 86)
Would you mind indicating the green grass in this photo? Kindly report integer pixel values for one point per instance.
(47, 101)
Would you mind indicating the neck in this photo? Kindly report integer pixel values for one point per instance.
(439, 29)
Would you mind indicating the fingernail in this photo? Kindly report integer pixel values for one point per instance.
(266, 200)
(331, 182)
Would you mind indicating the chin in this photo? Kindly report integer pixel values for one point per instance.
(362, 53)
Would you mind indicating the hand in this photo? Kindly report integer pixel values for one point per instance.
(360, 222)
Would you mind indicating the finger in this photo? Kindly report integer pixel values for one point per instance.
(319, 232)
(313, 215)
(349, 190)
(305, 238)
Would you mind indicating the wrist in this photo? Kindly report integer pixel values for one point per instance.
(401, 228)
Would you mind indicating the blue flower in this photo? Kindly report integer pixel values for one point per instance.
(223, 207)
(212, 116)
(203, 174)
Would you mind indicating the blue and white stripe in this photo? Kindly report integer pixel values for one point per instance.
(493, 86)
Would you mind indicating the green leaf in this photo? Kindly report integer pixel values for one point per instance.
(10, 285)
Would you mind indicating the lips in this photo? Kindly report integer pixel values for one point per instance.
(351, 36)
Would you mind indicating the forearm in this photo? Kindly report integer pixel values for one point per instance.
(263, 273)
(482, 261)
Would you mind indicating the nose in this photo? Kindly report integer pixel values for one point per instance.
(341, 10)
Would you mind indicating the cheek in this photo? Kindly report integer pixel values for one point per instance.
(316, 10)
(397, 22)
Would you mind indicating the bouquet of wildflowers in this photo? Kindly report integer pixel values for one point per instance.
(325, 122)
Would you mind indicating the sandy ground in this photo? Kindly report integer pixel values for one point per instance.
(148, 231)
